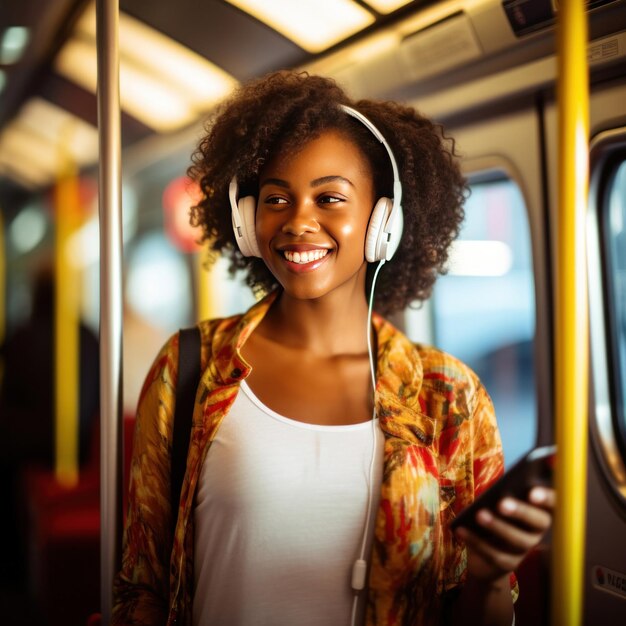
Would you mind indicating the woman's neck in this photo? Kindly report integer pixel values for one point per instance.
(330, 325)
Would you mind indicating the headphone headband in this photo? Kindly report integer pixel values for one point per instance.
(397, 186)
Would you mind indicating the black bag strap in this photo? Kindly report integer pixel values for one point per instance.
(186, 386)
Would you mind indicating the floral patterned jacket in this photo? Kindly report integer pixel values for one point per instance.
(442, 448)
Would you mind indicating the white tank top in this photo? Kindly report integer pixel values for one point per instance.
(279, 519)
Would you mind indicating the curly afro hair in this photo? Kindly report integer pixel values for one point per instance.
(284, 110)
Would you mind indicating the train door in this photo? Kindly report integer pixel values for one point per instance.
(605, 562)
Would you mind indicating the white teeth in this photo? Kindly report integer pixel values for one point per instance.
(305, 257)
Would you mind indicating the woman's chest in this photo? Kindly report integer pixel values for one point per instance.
(314, 389)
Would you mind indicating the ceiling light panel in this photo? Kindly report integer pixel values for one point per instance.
(387, 6)
(22, 173)
(314, 25)
(144, 97)
(23, 146)
(70, 134)
(38, 144)
(162, 83)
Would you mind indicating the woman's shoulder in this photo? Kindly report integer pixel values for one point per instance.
(454, 394)
(224, 333)
(218, 327)
(435, 360)
(446, 374)
(423, 361)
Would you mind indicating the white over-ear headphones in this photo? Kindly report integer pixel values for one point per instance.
(385, 226)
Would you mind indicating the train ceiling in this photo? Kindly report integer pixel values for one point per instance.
(177, 59)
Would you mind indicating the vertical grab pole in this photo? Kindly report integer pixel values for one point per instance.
(2, 287)
(206, 287)
(110, 207)
(571, 358)
(67, 211)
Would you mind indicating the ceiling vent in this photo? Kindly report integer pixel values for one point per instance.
(440, 47)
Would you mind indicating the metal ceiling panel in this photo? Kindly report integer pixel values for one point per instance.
(230, 38)
(47, 21)
(82, 103)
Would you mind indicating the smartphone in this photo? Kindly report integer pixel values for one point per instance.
(534, 469)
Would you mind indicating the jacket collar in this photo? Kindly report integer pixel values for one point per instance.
(230, 336)
(399, 370)
(399, 375)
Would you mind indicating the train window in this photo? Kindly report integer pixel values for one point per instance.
(607, 303)
(484, 308)
(615, 226)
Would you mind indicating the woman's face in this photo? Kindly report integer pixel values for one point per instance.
(312, 215)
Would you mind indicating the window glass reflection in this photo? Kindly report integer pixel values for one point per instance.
(617, 276)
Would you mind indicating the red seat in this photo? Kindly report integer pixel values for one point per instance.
(63, 529)
(63, 534)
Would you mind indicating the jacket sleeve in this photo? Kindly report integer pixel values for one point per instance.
(488, 463)
(141, 588)
(488, 459)
(476, 462)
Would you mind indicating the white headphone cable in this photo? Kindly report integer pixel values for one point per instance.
(369, 327)
(359, 569)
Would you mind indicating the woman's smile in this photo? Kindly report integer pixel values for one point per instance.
(306, 260)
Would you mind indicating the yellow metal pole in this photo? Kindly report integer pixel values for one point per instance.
(3, 303)
(66, 319)
(2, 281)
(205, 288)
(571, 327)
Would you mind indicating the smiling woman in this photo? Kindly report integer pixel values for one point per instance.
(325, 445)
(260, 122)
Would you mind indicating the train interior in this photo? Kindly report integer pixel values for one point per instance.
(486, 69)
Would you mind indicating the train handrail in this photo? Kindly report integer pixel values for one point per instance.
(110, 215)
(571, 322)
(66, 327)
(3, 303)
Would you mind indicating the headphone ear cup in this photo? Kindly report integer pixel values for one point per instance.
(375, 238)
(247, 213)
(396, 234)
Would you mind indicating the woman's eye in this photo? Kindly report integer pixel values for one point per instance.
(275, 200)
(329, 200)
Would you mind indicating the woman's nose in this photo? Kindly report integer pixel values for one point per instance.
(301, 220)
